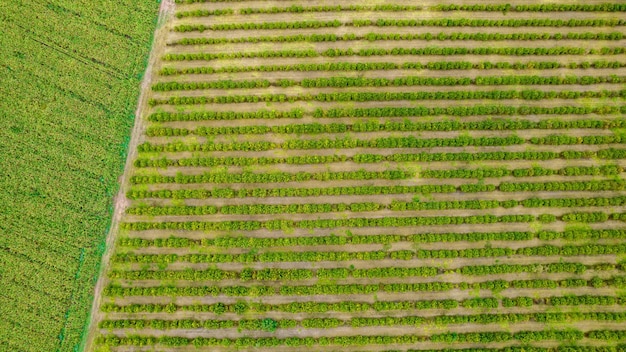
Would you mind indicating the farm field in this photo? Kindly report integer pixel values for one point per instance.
(376, 176)
(69, 81)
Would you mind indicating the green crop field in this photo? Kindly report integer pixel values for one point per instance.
(70, 76)
(377, 176)
(380, 175)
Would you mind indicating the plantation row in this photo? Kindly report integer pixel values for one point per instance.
(363, 126)
(391, 96)
(239, 241)
(395, 143)
(249, 177)
(343, 143)
(279, 224)
(606, 7)
(316, 38)
(228, 193)
(330, 323)
(337, 256)
(389, 126)
(340, 82)
(529, 94)
(523, 172)
(474, 110)
(607, 154)
(273, 274)
(409, 126)
(444, 22)
(352, 289)
(303, 9)
(370, 66)
(313, 208)
(385, 142)
(439, 51)
(352, 143)
(242, 307)
(403, 8)
(450, 337)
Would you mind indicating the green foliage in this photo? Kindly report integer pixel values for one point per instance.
(369, 66)
(240, 241)
(408, 81)
(446, 22)
(338, 256)
(532, 8)
(367, 126)
(354, 186)
(358, 340)
(441, 36)
(71, 75)
(249, 177)
(429, 51)
(471, 110)
(383, 96)
(269, 325)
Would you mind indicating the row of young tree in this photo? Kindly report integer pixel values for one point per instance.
(460, 111)
(537, 171)
(226, 115)
(344, 256)
(241, 241)
(230, 193)
(277, 274)
(564, 336)
(383, 142)
(469, 22)
(243, 307)
(529, 94)
(273, 177)
(497, 124)
(280, 224)
(313, 208)
(472, 110)
(443, 22)
(114, 290)
(330, 323)
(381, 66)
(605, 7)
(406, 142)
(441, 36)
(341, 82)
(400, 51)
(344, 143)
(144, 162)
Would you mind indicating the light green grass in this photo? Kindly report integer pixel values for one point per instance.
(69, 82)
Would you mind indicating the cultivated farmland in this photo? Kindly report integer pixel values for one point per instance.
(376, 176)
(69, 82)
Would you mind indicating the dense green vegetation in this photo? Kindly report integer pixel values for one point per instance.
(70, 82)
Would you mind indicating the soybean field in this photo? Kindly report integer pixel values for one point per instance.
(377, 176)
